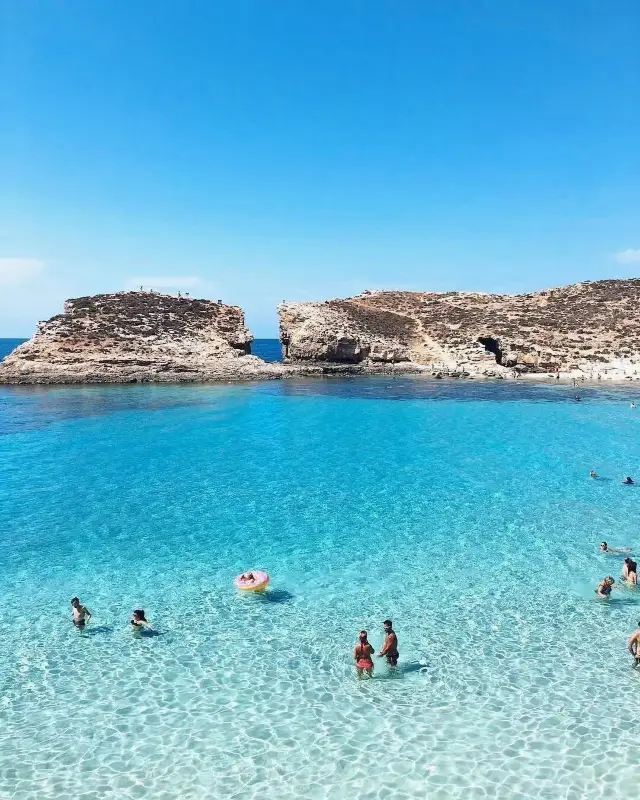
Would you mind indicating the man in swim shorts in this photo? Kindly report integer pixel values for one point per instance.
(633, 646)
(80, 613)
(390, 646)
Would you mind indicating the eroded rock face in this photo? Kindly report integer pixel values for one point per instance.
(137, 336)
(587, 327)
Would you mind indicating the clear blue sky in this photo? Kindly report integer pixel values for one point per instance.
(255, 151)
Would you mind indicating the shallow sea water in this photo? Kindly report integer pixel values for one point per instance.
(462, 511)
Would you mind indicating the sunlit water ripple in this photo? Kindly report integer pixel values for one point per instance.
(462, 511)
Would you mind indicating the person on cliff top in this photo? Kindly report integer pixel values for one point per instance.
(605, 587)
(81, 614)
(390, 645)
(633, 646)
(614, 551)
(628, 481)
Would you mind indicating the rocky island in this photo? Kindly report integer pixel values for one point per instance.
(588, 329)
(131, 337)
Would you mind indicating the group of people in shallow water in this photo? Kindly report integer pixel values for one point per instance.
(363, 651)
(629, 571)
(630, 578)
(81, 615)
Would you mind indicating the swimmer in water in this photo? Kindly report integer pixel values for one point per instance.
(247, 578)
(390, 646)
(362, 653)
(81, 614)
(628, 481)
(139, 621)
(614, 551)
(633, 646)
(593, 474)
(633, 405)
(630, 572)
(605, 587)
(577, 398)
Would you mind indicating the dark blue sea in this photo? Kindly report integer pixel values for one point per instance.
(267, 349)
(7, 345)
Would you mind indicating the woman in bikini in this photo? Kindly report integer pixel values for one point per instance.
(362, 653)
(139, 621)
(630, 572)
(605, 587)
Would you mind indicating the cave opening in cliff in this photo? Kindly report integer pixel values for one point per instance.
(492, 346)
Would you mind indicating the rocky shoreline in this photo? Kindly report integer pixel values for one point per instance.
(584, 333)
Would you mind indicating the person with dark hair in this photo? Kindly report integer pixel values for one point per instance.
(390, 646)
(628, 481)
(630, 571)
(81, 614)
(362, 653)
(605, 587)
(633, 646)
(614, 551)
(139, 621)
(593, 474)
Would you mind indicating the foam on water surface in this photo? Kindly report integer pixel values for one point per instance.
(465, 513)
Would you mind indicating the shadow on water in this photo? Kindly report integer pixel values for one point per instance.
(270, 596)
(278, 596)
(97, 630)
(412, 666)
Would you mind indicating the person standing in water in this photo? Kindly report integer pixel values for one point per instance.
(390, 646)
(139, 622)
(633, 646)
(362, 653)
(605, 587)
(81, 614)
(630, 572)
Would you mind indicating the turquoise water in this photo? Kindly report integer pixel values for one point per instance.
(462, 511)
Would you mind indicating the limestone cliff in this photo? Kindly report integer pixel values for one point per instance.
(589, 328)
(137, 336)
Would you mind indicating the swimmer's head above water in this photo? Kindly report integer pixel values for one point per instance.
(604, 546)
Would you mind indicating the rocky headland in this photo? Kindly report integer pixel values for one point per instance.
(132, 337)
(586, 330)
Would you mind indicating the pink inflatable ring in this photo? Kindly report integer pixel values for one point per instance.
(253, 581)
